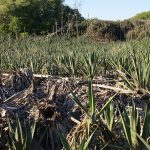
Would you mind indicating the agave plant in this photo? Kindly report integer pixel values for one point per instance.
(92, 132)
(21, 137)
(91, 62)
(135, 135)
(133, 67)
(83, 145)
(109, 116)
(70, 63)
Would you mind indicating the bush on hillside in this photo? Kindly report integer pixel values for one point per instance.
(105, 30)
(126, 26)
(112, 31)
(133, 27)
(82, 27)
(139, 32)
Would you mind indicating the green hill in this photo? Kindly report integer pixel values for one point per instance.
(143, 15)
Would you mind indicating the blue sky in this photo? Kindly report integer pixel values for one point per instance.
(110, 9)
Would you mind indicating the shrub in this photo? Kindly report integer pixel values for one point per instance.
(82, 27)
(105, 30)
(126, 26)
(139, 32)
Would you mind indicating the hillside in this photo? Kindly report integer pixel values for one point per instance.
(143, 16)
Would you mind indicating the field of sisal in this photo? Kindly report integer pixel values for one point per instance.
(74, 93)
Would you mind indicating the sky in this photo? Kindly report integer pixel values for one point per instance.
(110, 9)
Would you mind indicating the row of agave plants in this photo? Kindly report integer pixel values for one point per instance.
(72, 57)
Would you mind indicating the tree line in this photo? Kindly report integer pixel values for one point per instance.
(41, 17)
(34, 16)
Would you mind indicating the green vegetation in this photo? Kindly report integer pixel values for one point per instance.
(75, 57)
(21, 136)
(92, 127)
(106, 31)
(51, 38)
(90, 133)
(143, 15)
(132, 127)
(139, 32)
(35, 17)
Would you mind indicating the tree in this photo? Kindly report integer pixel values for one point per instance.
(32, 16)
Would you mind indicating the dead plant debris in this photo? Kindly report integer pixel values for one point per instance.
(48, 100)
